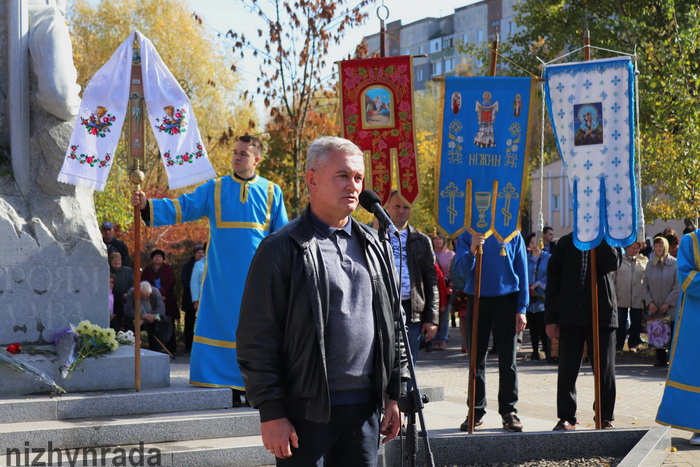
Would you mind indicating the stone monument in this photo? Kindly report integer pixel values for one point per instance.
(53, 267)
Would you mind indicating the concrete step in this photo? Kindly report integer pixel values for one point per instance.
(246, 451)
(128, 430)
(114, 403)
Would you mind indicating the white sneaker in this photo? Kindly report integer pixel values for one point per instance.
(695, 439)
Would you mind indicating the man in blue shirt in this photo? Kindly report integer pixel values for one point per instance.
(504, 298)
(415, 265)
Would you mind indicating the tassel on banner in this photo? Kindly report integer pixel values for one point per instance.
(503, 250)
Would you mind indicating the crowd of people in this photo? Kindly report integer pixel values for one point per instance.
(289, 323)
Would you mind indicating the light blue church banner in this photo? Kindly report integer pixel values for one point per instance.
(591, 107)
(484, 155)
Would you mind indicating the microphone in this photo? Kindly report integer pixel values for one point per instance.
(371, 202)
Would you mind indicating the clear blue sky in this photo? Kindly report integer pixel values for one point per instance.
(219, 16)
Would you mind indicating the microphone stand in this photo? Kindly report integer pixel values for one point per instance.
(413, 402)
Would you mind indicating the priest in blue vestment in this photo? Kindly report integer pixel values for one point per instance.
(242, 209)
(680, 406)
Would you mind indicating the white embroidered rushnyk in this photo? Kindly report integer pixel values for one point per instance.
(591, 106)
(98, 126)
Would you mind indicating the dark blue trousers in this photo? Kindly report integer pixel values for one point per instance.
(351, 438)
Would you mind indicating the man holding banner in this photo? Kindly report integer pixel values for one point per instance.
(243, 209)
(568, 313)
(484, 160)
(504, 298)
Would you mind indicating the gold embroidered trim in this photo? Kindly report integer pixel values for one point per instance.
(214, 342)
(684, 387)
(243, 225)
(178, 211)
(209, 385)
(688, 280)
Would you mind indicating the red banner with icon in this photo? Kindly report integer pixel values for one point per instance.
(377, 115)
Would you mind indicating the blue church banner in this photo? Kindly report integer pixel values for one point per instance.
(591, 107)
(484, 155)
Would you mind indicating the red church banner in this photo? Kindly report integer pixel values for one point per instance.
(377, 115)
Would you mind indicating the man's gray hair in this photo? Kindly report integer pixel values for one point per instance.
(322, 147)
(146, 288)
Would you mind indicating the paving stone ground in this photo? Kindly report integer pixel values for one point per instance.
(639, 390)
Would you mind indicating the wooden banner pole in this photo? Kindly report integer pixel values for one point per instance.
(595, 351)
(471, 396)
(136, 176)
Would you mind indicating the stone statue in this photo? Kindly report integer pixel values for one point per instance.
(53, 270)
(51, 54)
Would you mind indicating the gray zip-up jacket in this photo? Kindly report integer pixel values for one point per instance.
(661, 284)
(630, 280)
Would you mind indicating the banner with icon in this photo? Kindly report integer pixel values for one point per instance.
(591, 107)
(484, 155)
(377, 115)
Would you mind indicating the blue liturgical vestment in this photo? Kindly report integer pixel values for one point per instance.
(241, 213)
(680, 405)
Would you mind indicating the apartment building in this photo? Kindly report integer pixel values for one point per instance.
(439, 38)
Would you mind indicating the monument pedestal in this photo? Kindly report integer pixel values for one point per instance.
(111, 372)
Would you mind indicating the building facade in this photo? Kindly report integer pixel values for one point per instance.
(558, 205)
(439, 38)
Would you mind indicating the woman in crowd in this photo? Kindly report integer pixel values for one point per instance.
(661, 290)
(629, 288)
(161, 276)
(187, 305)
(111, 298)
(537, 261)
(123, 281)
(444, 256)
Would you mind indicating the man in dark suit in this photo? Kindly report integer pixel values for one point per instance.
(568, 314)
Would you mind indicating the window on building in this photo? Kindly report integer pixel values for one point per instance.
(407, 51)
(419, 74)
(436, 68)
(556, 202)
(511, 27)
(465, 39)
(421, 50)
(449, 65)
(435, 45)
(448, 42)
(480, 35)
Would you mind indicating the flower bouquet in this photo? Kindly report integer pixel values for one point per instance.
(126, 338)
(657, 331)
(76, 343)
(8, 359)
